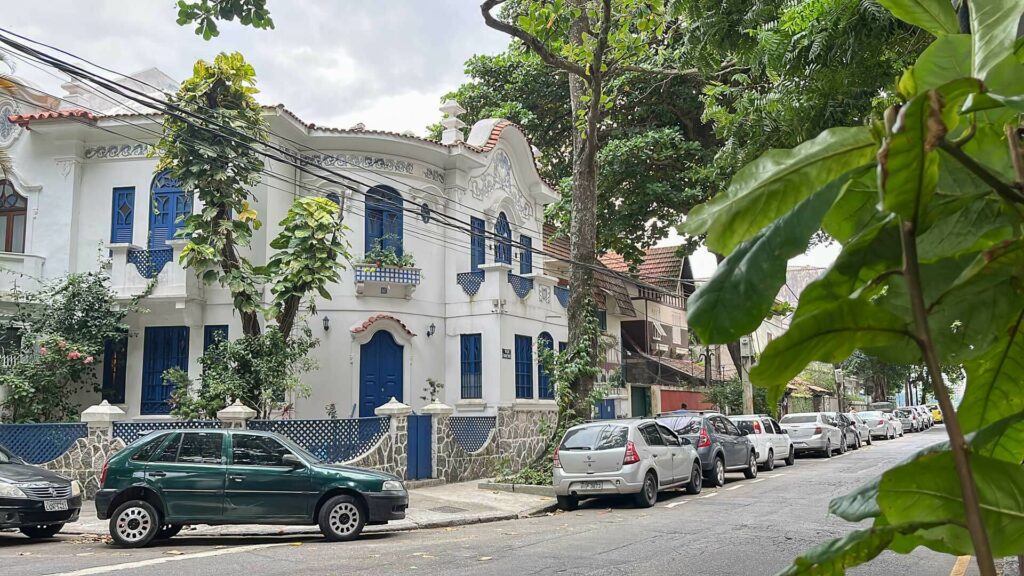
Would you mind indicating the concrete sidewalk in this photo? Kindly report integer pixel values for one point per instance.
(433, 507)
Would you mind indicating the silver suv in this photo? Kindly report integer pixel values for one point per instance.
(638, 457)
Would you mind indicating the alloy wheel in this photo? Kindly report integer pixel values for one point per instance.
(720, 472)
(134, 524)
(344, 518)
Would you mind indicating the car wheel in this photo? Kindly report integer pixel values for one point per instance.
(856, 442)
(769, 464)
(870, 440)
(828, 448)
(35, 532)
(717, 477)
(568, 503)
(134, 524)
(168, 531)
(791, 459)
(751, 471)
(648, 494)
(342, 518)
(696, 480)
(842, 444)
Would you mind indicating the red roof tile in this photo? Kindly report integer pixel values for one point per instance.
(661, 266)
(358, 328)
(23, 120)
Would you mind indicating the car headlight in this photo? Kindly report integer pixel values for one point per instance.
(393, 486)
(11, 491)
(76, 489)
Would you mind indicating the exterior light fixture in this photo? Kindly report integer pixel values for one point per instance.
(431, 329)
(327, 323)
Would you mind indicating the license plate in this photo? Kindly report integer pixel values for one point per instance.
(55, 505)
(591, 485)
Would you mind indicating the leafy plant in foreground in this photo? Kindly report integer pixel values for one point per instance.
(928, 204)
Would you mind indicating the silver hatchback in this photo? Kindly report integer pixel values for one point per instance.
(638, 457)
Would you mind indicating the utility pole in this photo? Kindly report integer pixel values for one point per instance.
(748, 390)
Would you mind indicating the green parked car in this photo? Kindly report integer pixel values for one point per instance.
(168, 479)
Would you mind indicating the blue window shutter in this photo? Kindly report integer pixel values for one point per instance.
(544, 388)
(374, 228)
(384, 219)
(477, 246)
(472, 376)
(526, 257)
(169, 206)
(524, 366)
(213, 332)
(122, 215)
(503, 240)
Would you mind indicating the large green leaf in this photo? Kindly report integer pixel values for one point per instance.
(994, 26)
(966, 225)
(741, 292)
(908, 163)
(935, 16)
(1002, 440)
(928, 490)
(828, 335)
(944, 60)
(771, 186)
(832, 558)
(996, 381)
(855, 209)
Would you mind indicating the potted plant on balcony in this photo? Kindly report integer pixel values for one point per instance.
(380, 256)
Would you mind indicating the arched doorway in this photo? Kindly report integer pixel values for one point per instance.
(380, 372)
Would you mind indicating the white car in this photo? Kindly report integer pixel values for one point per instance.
(812, 432)
(896, 424)
(770, 441)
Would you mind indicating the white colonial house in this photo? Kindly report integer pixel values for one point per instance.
(84, 193)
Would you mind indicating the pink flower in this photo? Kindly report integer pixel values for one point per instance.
(74, 355)
(88, 360)
(42, 350)
(61, 344)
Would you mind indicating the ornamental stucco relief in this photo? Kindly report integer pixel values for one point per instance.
(498, 178)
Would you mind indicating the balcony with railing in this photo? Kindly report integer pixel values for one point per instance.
(134, 270)
(19, 272)
(386, 281)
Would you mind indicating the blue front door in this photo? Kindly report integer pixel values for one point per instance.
(165, 347)
(380, 372)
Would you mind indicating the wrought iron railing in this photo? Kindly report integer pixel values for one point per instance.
(521, 285)
(470, 281)
(150, 262)
(471, 432)
(39, 443)
(335, 440)
(562, 293)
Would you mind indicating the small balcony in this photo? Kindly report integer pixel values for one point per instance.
(134, 270)
(386, 281)
(21, 272)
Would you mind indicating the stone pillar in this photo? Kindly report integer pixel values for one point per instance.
(440, 436)
(236, 415)
(399, 432)
(100, 421)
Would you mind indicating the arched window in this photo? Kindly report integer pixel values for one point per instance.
(13, 210)
(544, 388)
(384, 219)
(503, 243)
(169, 206)
(334, 197)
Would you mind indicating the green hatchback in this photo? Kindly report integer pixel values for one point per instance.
(171, 478)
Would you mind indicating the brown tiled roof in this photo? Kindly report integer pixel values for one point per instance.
(660, 267)
(24, 120)
(605, 283)
(556, 245)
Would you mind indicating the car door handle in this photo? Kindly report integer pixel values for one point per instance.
(157, 474)
(654, 455)
(237, 478)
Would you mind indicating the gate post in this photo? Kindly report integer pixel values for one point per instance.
(399, 432)
(439, 430)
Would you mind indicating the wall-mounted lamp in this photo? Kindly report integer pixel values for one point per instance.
(327, 324)
(431, 329)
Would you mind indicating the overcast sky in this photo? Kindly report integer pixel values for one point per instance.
(385, 63)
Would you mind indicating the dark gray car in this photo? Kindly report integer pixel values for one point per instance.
(721, 446)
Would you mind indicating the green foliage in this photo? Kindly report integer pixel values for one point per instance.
(258, 370)
(206, 13)
(727, 396)
(432, 390)
(387, 255)
(63, 328)
(930, 276)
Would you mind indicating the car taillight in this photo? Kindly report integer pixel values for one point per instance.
(558, 463)
(631, 455)
(817, 429)
(757, 427)
(880, 422)
(103, 473)
(704, 440)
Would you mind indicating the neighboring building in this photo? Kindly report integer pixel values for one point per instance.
(469, 314)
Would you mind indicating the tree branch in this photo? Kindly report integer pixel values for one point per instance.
(661, 71)
(535, 44)
(1005, 190)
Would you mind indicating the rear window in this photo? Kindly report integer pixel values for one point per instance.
(799, 418)
(144, 453)
(746, 426)
(870, 415)
(683, 424)
(595, 438)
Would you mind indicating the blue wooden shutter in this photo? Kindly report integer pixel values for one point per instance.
(393, 231)
(544, 388)
(526, 255)
(212, 333)
(471, 367)
(164, 347)
(122, 215)
(503, 240)
(524, 367)
(374, 227)
(477, 246)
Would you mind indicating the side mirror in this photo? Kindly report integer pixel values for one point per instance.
(292, 460)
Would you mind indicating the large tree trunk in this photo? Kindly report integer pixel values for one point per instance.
(583, 223)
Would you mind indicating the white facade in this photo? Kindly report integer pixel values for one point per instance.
(68, 165)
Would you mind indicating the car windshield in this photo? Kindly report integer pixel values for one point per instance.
(683, 424)
(799, 418)
(604, 437)
(746, 426)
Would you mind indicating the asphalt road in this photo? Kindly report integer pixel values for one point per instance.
(745, 528)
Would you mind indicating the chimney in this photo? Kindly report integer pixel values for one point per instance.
(452, 125)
